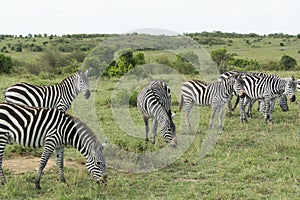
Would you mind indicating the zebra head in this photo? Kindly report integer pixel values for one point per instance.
(169, 131)
(96, 163)
(238, 86)
(82, 83)
(290, 88)
(282, 102)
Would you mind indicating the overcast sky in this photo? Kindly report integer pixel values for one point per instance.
(119, 16)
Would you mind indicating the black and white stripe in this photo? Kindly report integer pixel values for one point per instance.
(266, 88)
(56, 96)
(52, 129)
(214, 94)
(154, 101)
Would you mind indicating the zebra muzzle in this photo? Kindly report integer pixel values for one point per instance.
(293, 98)
(87, 94)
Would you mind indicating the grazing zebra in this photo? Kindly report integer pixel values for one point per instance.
(154, 101)
(36, 127)
(56, 96)
(215, 94)
(267, 88)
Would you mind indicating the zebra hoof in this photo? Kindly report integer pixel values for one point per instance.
(38, 187)
(147, 140)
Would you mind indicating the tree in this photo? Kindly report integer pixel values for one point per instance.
(221, 57)
(5, 64)
(287, 62)
(97, 67)
(186, 63)
(139, 58)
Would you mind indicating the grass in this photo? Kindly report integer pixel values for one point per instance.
(249, 161)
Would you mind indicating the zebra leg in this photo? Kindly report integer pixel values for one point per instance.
(242, 110)
(267, 110)
(154, 130)
(221, 109)
(146, 121)
(188, 108)
(213, 112)
(60, 163)
(250, 105)
(272, 106)
(229, 103)
(48, 150)
(3, 142)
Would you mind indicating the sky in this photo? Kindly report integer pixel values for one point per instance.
(119, 16)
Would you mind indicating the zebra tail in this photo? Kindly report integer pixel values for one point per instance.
(181, 102)
(236, 103)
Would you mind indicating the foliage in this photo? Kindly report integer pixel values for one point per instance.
(5, 64)
(270, 66)
(246, 65)
(287, 62)
(125, 62)
(186, 63)
(221, 58)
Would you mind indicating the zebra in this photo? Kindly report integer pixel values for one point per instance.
(266, 88)
(154, 101)
(36, 127)
(215, 94)
(58, 96)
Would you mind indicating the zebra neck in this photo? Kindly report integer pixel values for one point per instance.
(80, 137)
(162, 117)
(68, 87)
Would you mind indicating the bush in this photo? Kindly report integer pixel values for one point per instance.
(5, 64)
(287, 62)
(125, 97)
(270, 66)
(245, 64)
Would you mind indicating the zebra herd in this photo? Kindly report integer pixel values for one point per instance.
(155, 99)
(34, 116)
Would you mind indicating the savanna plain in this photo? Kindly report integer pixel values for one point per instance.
(250, 160)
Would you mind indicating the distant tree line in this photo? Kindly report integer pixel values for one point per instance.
(238, 35)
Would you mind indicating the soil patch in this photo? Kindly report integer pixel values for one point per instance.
(21, 164)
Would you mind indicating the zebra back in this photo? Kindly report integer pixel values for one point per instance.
(201, 93)
(36, 127)
(58, 96)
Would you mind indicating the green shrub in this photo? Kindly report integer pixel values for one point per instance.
(6, 64)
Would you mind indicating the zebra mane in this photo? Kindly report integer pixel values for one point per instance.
(72, 76)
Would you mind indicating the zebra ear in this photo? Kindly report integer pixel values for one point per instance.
(104, 144)
(79, 71)
(293, 78)
(173, 115)
(87, 72)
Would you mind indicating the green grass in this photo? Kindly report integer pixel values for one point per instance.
(266, 49)
(249, 161)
